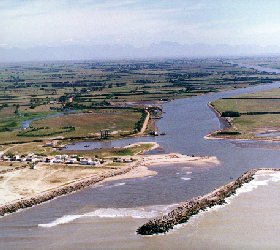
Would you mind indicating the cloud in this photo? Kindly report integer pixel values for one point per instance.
(54, 21)
(28, 23)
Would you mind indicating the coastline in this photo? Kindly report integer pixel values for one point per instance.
(162, 160)
(136, 169)
(31, 201)
(186, 210)
(75, 186)
(176, 158)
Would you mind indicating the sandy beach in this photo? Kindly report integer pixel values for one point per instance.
(27, 182)
(142, 168)
(175, 158)
(51, 177)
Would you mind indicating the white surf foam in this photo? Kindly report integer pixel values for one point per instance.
(245, 188)
(63, 220)
(188, 172)
(185, 178)
(136, 213)
(250, 186)
(275, 177)
(114, 185)
(119, 184)
(153, 211)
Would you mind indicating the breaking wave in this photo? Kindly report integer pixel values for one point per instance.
(119, 184)
(185, 178)
(136, 213)
(154, 211)
(245, 188)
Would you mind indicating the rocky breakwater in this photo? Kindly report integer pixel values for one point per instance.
(183, 213)
(63, 190)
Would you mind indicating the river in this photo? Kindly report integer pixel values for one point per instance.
(107, 216)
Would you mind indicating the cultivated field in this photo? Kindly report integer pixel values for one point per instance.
(259, 115)
(46, 91)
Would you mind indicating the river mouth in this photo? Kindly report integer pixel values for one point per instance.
(185, 122)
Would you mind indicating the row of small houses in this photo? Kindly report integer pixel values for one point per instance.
(66, 159)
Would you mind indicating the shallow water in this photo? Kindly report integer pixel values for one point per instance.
(269, 134)
(185, 122)
(26, 124)
(249, 220)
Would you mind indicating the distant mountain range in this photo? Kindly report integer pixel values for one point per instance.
(159, 50)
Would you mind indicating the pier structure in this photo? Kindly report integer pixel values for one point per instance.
(104, 133)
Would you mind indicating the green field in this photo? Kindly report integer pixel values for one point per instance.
(114, 92)
(259, 115)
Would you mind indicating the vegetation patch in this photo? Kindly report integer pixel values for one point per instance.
(250, 114)
(228, 133)
(230, 114)
(45, 131)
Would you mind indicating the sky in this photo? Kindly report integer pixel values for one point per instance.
(29, 23)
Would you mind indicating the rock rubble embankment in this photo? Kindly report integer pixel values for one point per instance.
(183, 213)
(64, 190)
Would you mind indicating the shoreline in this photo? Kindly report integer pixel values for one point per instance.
(228, 124)
(48, 195)
(186, 210)
(162, 160)
(176, 158)
(62, 190)
(136, 169)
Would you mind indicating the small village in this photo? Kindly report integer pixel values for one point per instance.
(62, 159)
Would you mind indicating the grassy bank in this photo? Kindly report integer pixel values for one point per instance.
(252, 116)
(111, 91)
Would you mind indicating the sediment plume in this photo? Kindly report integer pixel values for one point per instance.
(183, 213)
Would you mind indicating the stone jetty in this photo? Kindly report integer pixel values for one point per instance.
(63, 190)
(182, 213)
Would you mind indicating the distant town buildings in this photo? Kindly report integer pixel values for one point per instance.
(59, 159)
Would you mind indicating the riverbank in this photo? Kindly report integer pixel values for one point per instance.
(176, 158)
(47, 182)
(60, 178)
(253, 116)
(226, 123)
(186, 210)
(74, 186)
(162, 160)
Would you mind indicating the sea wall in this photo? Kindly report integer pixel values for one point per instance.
(183, 213)
(64, 190)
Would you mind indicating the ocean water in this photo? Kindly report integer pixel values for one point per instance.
(248, 220)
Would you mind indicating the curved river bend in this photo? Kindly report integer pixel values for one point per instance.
(106, 217)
